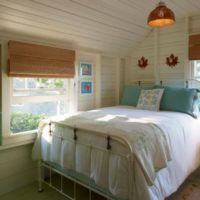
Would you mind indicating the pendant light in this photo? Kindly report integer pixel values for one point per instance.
(161, 16)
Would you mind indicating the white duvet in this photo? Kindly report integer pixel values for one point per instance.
(165, 147)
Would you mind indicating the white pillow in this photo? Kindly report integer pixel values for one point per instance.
(150, 99)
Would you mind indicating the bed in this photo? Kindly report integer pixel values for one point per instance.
(121, 152)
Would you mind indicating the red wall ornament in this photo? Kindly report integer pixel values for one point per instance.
(143, 62)
(172, 60)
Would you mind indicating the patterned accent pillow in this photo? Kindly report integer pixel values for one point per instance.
(150, 99)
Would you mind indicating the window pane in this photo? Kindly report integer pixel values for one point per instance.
(35, 99)
(19, 83)
(197, 68)
(39, 86)
(38, 92)
(26, 117)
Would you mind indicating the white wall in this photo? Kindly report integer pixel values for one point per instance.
(159, 44)
(194, 25)
(171, 40)
(108, 80)
(16, 168)
(86, 101)
(145, 49)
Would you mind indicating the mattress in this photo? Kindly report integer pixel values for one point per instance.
(150, 152)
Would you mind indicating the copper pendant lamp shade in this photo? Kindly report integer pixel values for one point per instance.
(161, 16)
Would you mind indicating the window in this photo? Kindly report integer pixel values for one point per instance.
(25, 101)
(33, 99)
(195, 69)
(28, 100)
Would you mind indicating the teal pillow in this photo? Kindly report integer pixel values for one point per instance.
(179, 100)
(131, 94)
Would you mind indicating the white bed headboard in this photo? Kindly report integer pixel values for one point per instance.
(190, 83)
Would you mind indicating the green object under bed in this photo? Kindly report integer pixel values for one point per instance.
(75, 176)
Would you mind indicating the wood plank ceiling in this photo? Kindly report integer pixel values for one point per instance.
(114, 26)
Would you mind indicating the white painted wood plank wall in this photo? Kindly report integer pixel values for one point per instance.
(104, 81)
(171, 41)
(16, 168)
(86, 101)
(160, 44)
(146, 50)
(194, 24)
(108, 81)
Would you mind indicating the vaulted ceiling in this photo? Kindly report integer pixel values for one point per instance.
(104, 25)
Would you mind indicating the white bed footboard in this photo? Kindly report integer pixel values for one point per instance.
(104, 159)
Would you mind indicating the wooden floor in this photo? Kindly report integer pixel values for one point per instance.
(30, 193)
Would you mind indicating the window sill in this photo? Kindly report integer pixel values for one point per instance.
(18, 140)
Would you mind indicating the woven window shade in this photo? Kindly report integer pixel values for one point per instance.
(194, 47)
(30, 60)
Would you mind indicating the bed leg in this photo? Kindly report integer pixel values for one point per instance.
(40, 188)
(74, 190)
(131, 178)
(90, 195)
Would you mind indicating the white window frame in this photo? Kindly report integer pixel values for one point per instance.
(192, 64)
(39, 99)
(11, 140)
(29, 136)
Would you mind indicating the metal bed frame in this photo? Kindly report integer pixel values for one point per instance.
(107, 149)
(91, 188)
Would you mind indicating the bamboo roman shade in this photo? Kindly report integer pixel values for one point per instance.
(31, 60)
(194, 47)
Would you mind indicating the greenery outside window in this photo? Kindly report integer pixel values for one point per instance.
(33, 99)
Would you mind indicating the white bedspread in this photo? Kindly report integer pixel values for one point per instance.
(148, 141)
(159, 140)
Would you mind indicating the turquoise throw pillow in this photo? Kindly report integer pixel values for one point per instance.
(131, 94)
(179, 100)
